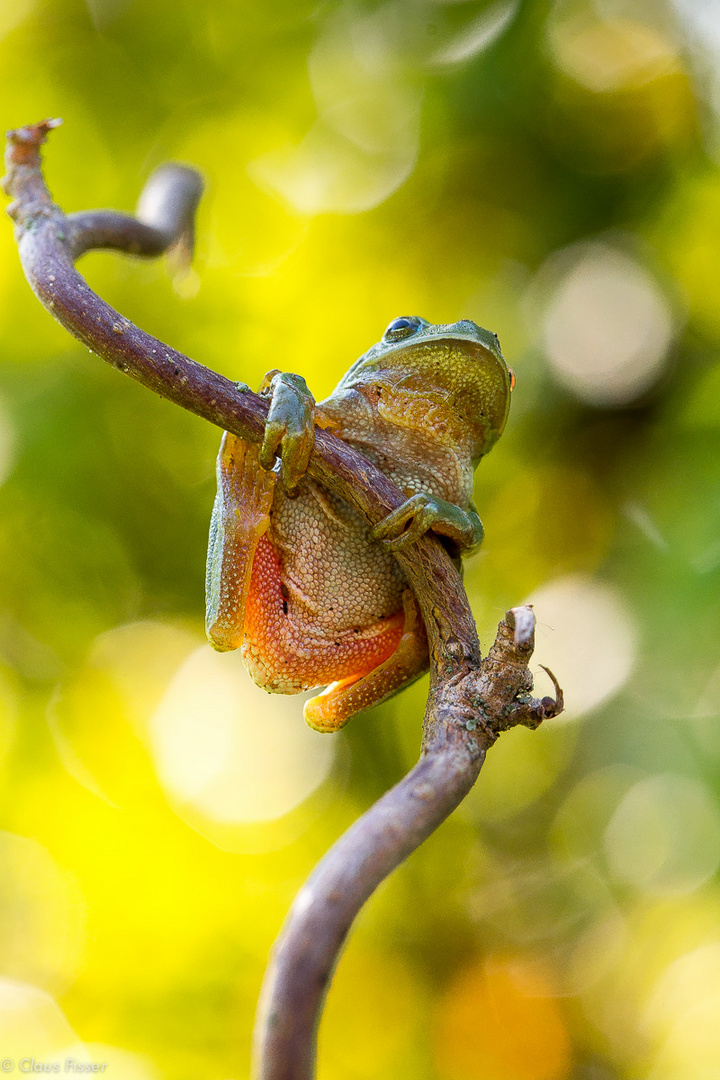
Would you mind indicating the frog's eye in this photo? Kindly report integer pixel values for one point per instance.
(402, 328)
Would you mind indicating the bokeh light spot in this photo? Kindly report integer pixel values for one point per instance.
(587, 636)
(327, 173)
(125, 675)
(12, 12)
(664, 837)
(607, 55)
(365, 142)
(539, 904)
(42, 915)
(595, 953)
(579, 828)
(229, 749)
(31, 1023)
(607, 327)
(35, 1037)
(498, 1020)
(686, 983)
(691, 1050)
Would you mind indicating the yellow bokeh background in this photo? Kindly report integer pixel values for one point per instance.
(550, 169)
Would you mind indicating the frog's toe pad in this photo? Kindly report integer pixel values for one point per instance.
(328, 711)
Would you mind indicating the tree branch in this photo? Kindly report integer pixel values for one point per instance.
(464, 714)
(470, 700)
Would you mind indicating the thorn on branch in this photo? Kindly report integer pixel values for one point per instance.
(530, 712)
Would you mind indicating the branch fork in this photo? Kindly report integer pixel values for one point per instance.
(470, 701)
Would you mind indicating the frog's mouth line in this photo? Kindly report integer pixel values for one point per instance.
(426, 339)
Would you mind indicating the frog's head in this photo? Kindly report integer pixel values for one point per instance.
(457, 367)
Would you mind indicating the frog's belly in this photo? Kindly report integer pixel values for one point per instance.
(324, 603)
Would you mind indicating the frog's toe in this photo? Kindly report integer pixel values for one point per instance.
(408, 523)
(294, 446)
(322, 713)
(392, 527)
(297, 447)
(274, 435)
(417, 528)
(290, 426)
(425, 512)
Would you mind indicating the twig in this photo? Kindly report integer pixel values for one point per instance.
(470, 700)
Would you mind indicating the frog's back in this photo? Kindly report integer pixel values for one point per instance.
(324, 602)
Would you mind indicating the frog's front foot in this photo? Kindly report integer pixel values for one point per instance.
(423, 512)
(290, 426)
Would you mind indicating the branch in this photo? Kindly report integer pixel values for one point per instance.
(464, 714)
(470, 700)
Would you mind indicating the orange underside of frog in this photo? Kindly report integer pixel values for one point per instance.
(285, 657)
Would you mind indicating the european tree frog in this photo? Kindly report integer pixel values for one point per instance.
(297, 579)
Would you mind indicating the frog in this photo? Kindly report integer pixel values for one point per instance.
(309, 590)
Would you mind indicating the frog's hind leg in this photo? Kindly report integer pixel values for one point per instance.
(240, 516)
(333, 708)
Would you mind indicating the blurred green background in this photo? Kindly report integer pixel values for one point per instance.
(551, 170)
